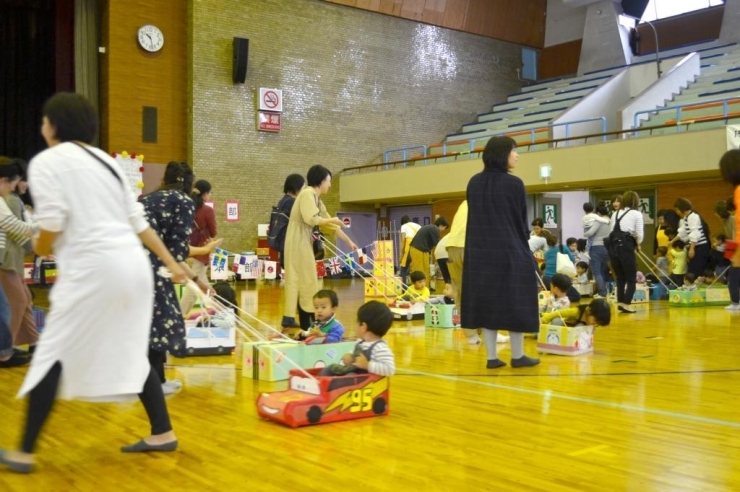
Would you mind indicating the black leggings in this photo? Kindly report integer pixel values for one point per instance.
(157, 360)
(42, 397)
(624, 264)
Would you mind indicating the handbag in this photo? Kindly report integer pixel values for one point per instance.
(199, 237)
(318, 243)
(564, 265)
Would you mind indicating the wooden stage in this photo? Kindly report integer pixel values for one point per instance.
(655, 408)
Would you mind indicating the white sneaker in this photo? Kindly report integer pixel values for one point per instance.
(502, 339)
(474, 340)
(732, 307)
(171, 386)
(597, 296)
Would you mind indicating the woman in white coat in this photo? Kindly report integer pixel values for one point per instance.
(95, 342)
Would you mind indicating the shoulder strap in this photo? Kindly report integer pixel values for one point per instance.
(108, 166)
(618, 218)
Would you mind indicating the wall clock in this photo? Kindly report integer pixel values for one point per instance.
(151, 38)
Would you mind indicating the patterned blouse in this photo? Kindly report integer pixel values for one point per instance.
(170, 213)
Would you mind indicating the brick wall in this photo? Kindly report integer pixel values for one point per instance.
(354, 83)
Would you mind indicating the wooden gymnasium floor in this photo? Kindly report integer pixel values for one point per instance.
(654, 408)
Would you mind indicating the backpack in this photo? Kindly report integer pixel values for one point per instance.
(618, 238)
(278, 226)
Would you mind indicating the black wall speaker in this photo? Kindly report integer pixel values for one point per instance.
(241, 55)
(635, 41)
(634, 8)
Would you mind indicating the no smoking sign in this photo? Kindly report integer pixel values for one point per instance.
(271, 100)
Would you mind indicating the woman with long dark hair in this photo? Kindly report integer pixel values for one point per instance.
(203, 231)
(170, 212)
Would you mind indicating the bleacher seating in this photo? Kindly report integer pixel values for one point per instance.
(525, 115)
(534, 107)
(719, 79)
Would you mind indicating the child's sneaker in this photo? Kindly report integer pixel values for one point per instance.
(474, 340)
(733, 307)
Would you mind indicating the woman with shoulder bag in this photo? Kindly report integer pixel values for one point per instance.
(308, 212)
(626, 235)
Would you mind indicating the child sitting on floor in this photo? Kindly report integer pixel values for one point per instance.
(418, 290)
(325, 328)
(596, 313)
(559, 286)
(371, 354)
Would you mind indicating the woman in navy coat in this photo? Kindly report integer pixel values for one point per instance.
(499, 272)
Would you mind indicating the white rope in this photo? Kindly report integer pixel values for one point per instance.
(242, 326)
(334, 250)
(655, 270)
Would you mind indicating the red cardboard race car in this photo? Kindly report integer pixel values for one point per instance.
(325, 399)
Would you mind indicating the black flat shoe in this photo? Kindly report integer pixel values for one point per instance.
(143, 447)
(524, 361)
(14, 465)
(495, 363)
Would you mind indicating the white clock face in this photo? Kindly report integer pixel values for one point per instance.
(151, 38)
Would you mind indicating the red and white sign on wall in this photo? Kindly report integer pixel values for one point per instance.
(268, 122)
(271, 100)
(232, 211)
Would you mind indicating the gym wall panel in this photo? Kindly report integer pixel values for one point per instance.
(132, 78)
(517, 21)
(354, 84)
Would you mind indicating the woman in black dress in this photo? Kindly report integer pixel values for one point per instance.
(499, 271)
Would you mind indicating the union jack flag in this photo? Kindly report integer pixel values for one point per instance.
(335, 266)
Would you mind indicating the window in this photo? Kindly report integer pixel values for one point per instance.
(660, 9)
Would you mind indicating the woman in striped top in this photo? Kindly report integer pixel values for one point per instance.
(691, 230)
(16, 234)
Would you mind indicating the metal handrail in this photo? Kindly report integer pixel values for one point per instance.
(725, 104)
(405, 150)
(603, 137)
(532, 131)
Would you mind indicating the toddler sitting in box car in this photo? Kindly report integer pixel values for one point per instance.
(596, 313)
(447, 297)
(418, 290)
(222, 318)
(371, 354)
(326, 328)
